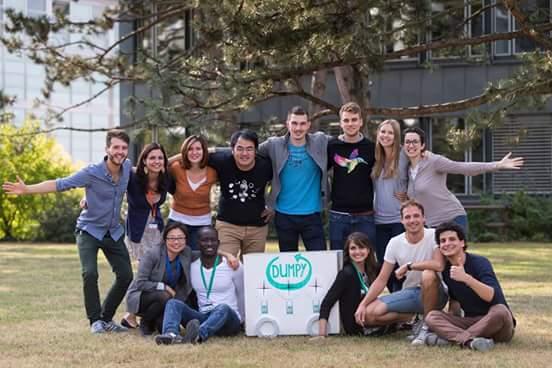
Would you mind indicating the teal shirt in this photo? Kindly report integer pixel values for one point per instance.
(300, 182)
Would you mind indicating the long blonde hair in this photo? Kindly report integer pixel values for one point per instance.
(390, 170)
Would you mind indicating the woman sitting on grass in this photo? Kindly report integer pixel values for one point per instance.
(351, 283)
(163, 274)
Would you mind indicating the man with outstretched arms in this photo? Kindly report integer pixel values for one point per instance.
(98, 226)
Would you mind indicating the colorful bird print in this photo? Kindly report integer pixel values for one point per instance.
(351, 162)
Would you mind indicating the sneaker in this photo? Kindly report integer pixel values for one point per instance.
(98, 327)
(420, 338)
(191, 336)
(168, 339)
(111, 326)
(481, 344)
(415, 326)
(433, 339)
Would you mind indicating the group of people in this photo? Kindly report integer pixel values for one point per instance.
(177, 280)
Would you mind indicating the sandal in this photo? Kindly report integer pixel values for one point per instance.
(127, 324)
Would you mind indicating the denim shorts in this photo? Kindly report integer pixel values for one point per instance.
(409, 300)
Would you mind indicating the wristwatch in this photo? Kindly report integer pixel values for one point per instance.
(409, 266)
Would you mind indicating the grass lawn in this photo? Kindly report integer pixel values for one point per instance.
(42, 323)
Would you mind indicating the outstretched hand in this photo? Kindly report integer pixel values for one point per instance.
(16, 188)
(510, 163)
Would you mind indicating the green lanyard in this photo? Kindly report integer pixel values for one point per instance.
(361, 279)
(210, 287)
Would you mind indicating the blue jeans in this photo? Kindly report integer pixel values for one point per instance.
(384, 233)
(463, 222)
(341, 225)
(309, 227)
(409, 300)
(220, 321)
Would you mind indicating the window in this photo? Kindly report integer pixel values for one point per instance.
(439, 138)
(61, 7)
(36, 8)
(447, 22)
(479, 24)
(537, 12)
(502, 24)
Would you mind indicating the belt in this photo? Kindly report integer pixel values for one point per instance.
(364, 213)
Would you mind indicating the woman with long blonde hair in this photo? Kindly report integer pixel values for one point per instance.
(390, 181)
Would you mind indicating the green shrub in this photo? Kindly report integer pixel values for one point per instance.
(58, 224)
(529, 218)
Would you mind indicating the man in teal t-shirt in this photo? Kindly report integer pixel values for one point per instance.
(299, 163)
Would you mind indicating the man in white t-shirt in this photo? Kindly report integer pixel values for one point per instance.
(219, 291)
(420, 263)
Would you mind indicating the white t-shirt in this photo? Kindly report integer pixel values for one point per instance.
(227, 287)
(401, 251)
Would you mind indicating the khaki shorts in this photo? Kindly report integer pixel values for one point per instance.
(236, 239)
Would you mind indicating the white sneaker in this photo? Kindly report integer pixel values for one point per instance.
(98, 327)
(420, 338)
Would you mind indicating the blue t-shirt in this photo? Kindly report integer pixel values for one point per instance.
(481, 269)
(300, 181)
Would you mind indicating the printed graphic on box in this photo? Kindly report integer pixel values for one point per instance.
(283, 292)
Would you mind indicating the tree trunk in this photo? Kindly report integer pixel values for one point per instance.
(318, 88)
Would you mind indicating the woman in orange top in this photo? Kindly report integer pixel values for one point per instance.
(193, 181)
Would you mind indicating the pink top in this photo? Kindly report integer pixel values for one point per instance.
(429, 187)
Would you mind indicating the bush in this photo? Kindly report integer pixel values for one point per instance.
(58, 225)
(529, 217)
(34, 157)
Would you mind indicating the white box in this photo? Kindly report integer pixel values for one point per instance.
(283, 292)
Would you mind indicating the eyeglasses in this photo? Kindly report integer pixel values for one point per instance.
(411, 142)
(177, 238)
(245, 149)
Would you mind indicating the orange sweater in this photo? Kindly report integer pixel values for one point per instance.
(187, 201)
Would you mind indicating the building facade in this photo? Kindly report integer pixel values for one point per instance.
(23, 79)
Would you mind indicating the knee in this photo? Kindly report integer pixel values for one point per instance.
(90, 276)
(124, 274)
(500, 311)
(223, 309)
(429, 278)
(432, 317)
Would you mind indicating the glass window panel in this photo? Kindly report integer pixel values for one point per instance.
(477, 155)
(538, 12)
(15, 80)
(36, 5)
(80, 12)
(17, 92)
(14, 67)
(15, 4)
(439, 144)
(502, 24)
(60, 6)
(447, 22)
(477, 25)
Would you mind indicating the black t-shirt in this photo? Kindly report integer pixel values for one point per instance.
(481, 269)
(242, 192)
(352, 163)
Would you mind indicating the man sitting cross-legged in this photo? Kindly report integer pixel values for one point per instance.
(420, 262)
(472, 286)
(219, 292)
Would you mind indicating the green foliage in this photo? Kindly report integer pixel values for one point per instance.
(35, 158)
(531, 217)
(528, 217)
(57, 224)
